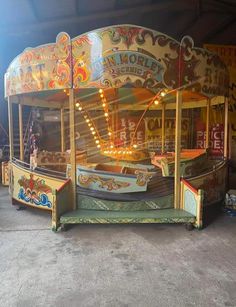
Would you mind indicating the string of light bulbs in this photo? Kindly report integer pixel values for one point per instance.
(106, 113)
(90, 124)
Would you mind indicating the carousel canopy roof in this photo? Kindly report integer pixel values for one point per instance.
(124, 56)
(136, 99)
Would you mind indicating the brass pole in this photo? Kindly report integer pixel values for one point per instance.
(10, 123)
(177, 149)
(62, 131)
(72, 147)
(208, 123)
(226, 128)
(163, 128)
(20, 108)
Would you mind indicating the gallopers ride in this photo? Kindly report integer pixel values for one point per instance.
(116, 84)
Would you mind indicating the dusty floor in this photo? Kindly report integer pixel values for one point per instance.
(114, 265)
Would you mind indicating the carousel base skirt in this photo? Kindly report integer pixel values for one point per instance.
(81, 216)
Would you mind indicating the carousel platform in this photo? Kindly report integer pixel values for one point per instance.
(82, 216)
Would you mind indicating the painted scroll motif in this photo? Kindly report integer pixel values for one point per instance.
(46, 67)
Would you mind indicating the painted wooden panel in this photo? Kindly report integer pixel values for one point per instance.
(192, 201)
(116, 181)
(114, 57)
(34, 189)
(46, 67)
(212, 183)
(192, 162)
(126, 54)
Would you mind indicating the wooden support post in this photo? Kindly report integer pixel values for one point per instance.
(208, 123)
(199, 221)
(116, 117)
(226, 128)
(20, 108)
(62, 131)
(113, 121)
(177, 149)
(10, 123)
(230, 140)
(55, 218)
(163, 128)
(72, 146)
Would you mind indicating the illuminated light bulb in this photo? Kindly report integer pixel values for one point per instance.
(93, 132)
(89, 124)
(105, 152)
(119, 152)
(80, 109)
(156, 102)
(95, 137)
(101, 95)
(91, 128)
(64, 91)
(97, 141)
(98, 146)
(85, 116)
(163, 94)
(111, 146)
(103, 105)
(135, 145)
(87, 120)
(109, 133)
(106, 114)
(100, 91)
(77, 104)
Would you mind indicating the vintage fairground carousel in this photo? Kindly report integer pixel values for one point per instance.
(127, 98)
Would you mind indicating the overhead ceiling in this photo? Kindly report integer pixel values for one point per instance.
(28, 23)
(33, 22)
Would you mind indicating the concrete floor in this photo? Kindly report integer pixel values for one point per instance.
(114, 265)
